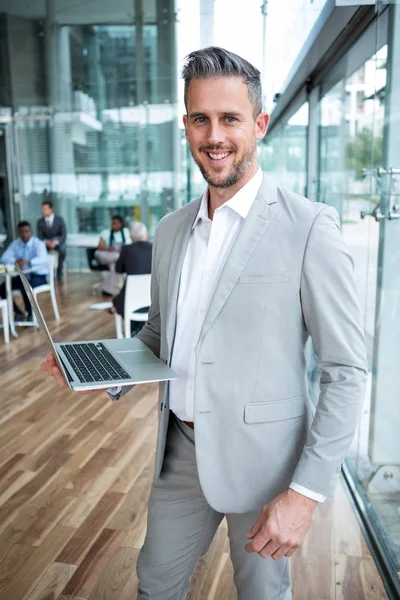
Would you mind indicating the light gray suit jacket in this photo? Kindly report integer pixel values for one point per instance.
(288, 276)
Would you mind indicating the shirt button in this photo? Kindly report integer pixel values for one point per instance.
(191, 386)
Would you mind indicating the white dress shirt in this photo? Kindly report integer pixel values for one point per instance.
(49, 220)
(209, 246)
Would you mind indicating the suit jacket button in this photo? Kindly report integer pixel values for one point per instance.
(162, 404)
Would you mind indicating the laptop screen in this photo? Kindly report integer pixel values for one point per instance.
(40, 319)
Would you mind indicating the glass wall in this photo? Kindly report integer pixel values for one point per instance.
(345, 140)
(359, 170)
(91, 96)
(283, 154)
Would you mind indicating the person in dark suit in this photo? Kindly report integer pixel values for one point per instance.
(51, 229)
(135, 259)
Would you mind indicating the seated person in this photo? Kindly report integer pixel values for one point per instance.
(135, 259)
(108, 251)
(29, 253)
(51, 229)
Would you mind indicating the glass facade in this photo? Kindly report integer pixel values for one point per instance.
(358, 172)
(89, 102)
(283, 154)
(341, 147)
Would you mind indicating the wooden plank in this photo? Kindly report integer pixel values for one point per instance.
(11, 484)
(94, 523)
(349, 584)
(46, 515)
(53, 582)
(94, 563)
(143, 456)
(11, 563)
(87, 501)
(133, 510)
(117, 581)
(348, 537)
(33, 486)
(25, 579)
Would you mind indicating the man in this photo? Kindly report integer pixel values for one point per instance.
(135, 259)
(52, 230)
(29, 253)
(240, 279)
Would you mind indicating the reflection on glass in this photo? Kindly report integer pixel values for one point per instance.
(352, 147)
(283, 154)
(95, 112)
(351, 133)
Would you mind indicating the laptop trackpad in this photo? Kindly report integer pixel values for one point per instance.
(135, 357)
(131, 352)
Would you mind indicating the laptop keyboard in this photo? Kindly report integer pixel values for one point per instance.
(93, 362)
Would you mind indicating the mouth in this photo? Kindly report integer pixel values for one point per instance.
(218, 158)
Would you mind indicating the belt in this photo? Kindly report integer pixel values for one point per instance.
(189, 424)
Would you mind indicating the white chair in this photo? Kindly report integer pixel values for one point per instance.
(46, 287)
(137, 295)
(6, 322)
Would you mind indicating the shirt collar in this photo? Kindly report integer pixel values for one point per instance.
(241, 202)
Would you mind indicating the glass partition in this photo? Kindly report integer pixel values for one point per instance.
(283, 154)
(93, 101)
(359, 159)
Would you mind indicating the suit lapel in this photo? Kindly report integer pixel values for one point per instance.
(179, 248)
(257, 222)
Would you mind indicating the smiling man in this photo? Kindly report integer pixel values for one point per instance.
(241, 278)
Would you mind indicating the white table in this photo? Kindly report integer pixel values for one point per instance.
(10, 272)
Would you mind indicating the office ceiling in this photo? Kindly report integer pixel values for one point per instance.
(82, 12)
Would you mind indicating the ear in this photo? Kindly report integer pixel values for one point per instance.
(261, 125)
(185, 124)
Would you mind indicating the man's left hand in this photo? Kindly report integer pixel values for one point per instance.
(282, 525)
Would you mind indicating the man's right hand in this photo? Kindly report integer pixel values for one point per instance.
(50, 366)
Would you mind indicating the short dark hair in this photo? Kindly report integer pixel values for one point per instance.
(215, 62)
(118, 218)
(48, 202)
(24, 224)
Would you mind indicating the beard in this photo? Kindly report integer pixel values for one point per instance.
(237, 172)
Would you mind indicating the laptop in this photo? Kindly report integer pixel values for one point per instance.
(99, 364)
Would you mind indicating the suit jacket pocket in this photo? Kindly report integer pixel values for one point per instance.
(279, 410)
(264, 278)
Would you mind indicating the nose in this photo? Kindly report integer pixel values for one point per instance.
(216, 135)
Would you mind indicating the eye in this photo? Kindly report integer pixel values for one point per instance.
(200, 120)
(230, 119)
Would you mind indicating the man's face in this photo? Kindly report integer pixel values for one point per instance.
(25, 233)
(221, 129)
(46, 211)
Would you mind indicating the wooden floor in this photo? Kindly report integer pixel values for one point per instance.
(75, 473)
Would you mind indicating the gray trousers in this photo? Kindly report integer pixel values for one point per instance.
(180, 528)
